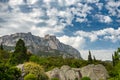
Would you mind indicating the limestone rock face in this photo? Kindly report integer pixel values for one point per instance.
(64, 73)
(36, 44)
(95, 72)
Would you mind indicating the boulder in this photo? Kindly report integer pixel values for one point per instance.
(64, 73)
(95, 72)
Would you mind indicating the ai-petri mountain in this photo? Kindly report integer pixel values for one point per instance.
(43, 46)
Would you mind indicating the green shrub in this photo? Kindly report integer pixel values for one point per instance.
(8, 72)
(36, 69)
(54, 79)
(30, 77)
(85, 78)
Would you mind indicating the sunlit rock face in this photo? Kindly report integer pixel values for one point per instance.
(65, 73)
(36, 44)
(95, 72)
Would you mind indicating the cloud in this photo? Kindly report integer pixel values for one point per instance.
(103, 18)
(104, 34)
(112, 6)
(75, 41)
(45, 16)
(81, 12)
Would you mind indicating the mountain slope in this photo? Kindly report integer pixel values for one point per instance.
(37, 45)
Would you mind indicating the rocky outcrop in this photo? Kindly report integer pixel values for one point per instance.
(65, 73)
(95, 72)
(36, 44)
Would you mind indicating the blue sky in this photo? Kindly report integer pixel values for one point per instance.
(84, 24)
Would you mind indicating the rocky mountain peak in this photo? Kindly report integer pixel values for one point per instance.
(36, 44)
(50, 37)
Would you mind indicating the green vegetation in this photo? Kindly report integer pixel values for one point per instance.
(35, 69)
(8, 72)
(1, 47)
(51, 62)
(115, 72)
(90, 61)
(20, 54)
(85, 78)
(54, 79)
(30, 77)
(35, 66)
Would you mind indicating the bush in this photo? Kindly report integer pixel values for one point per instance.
(36, 69)
(9, 73)
(54, 79)
(85, 78)
(30, 77)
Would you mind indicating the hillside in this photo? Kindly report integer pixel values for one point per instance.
(43, 46)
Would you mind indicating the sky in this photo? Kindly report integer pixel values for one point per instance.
(84, 24)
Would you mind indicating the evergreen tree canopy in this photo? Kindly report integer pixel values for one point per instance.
(90, 58)
(1, 46)
(20, 53)
(20, 47)
(94, 58)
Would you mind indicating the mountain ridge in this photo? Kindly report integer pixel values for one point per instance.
(36, 44)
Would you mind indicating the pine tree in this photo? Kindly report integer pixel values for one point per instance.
(20, 53)
(116, 57)
(1, 46)
(94, 58)
(90, 58)
(20, 47)
(113, 60)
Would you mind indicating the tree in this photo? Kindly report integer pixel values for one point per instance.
(20, 54)
(116, 58)
(113, 60)
(94, 58)
(1, 46)
(90, 58)
(20, 47)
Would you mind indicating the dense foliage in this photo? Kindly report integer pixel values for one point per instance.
(35, 69)
(8, 72)
(51, 62)
(85, 78)
(30, 77)
(115, 72)
(20, 54)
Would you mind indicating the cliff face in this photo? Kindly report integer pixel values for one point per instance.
(36, 44)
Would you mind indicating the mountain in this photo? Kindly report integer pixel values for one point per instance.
(48, 45)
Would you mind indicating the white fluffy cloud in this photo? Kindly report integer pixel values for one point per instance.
(50, 16)
(77, 42)
(103, 18)
(112, 6)
(105, 34)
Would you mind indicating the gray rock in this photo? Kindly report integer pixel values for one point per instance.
(64, 73)
(36, 44)
(95, 72)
